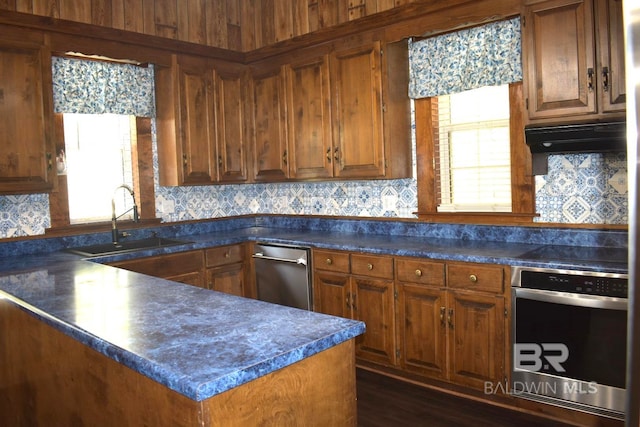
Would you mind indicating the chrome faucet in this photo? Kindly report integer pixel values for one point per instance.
(115, 235)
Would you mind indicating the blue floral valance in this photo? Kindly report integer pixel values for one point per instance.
(98, 87)
(488, 55)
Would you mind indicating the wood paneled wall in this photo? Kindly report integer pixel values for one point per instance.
(240, 25)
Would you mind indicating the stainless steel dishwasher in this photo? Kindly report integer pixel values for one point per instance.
(283, 275)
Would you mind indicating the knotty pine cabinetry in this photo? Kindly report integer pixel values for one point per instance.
(435, 319)
(573, 57)
(452, 321)
(184, 267)
(343, 114)
(222, 268)
(361, 287)
(226, 269)
(268, 124)
(27, 147)
(201, 122)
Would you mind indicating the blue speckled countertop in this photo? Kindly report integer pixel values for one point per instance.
(199, 342)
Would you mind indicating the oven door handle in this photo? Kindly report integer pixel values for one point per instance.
(572, 299)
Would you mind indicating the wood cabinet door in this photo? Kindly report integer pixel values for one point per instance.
(356, 81)
(193, 278)
(611, 53)
(422, 330)
(270, 155)
(230, 121)
(373, 302)
(27, 152)
(309, 119)
(197, 121)
(229, 279)
(559, 59)
(332, 294)
(476, 325)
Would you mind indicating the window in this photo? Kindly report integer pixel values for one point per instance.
(109, 146)
(98, 160)
(472, 164)
(514, 197)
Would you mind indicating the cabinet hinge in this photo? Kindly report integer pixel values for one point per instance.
(397, 354)
(395, 293)
(523, 20)
(505, 380)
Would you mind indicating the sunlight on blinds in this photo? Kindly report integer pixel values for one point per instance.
(98, 154)
(473, 166)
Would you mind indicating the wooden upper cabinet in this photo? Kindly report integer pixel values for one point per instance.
(572, 71)
(356, 79)
(309, 118)
(200, 116)
(610, 33)
(269, 137)
(230, 93)
(27, 148)
(197, 121)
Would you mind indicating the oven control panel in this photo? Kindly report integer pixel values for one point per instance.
(613, 285)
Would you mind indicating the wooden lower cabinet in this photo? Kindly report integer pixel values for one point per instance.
(220, 269)
(436, 320)
(452, 329)
(476, 333)
(185, 267)
(226, 269)
(228, 279)
(366, 298)
(372, 302)
(422, 331)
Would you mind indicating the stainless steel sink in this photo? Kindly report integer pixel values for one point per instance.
(126, 246)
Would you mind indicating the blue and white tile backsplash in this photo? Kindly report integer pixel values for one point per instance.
(579, 189)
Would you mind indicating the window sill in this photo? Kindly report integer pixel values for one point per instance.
(489, 218)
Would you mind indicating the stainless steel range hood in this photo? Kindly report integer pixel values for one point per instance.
(574, 138)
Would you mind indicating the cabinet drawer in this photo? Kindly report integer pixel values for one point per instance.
(165, 265)
(331, 261)
(488, 278)
(372, 266)
(224, 255)
(420, 271)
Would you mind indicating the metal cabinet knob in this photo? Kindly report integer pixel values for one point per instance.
(419, 273)
(473, 278)
(329, 261)
(227, 255)
(370, 266)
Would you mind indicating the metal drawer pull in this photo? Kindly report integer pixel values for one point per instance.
(419, 273)
(329, 261)
(227, 255)
(442, 310)
(449, 318)
(473, 278)
(370, 267)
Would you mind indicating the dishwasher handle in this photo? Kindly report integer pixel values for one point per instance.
(299, 261)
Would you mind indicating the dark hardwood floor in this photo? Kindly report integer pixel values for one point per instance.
(387, 402)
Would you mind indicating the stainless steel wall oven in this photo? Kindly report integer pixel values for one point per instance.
(569, 338)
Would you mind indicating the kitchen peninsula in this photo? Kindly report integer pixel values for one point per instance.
(89, 343)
